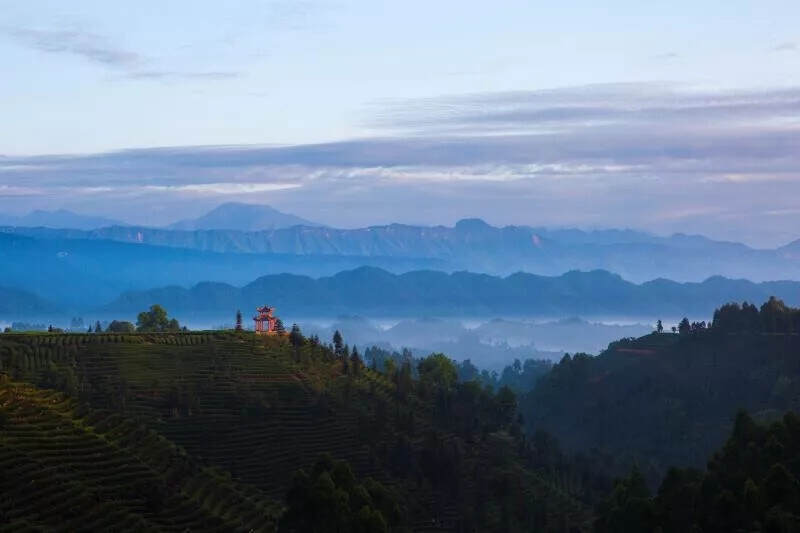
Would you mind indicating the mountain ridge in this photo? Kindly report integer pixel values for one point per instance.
(58, 219)
(375, 291)
(476, 246)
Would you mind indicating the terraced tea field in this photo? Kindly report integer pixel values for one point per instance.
(71, 469)
(196, 431)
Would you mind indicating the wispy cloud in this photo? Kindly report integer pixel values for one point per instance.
(177, 75)
(227, 188)
(785, 47)
(643, 155)
(89, 46)
(667, 56)
(101, 51)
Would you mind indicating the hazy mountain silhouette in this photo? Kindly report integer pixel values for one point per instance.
(85, 273)
(375, 292)
(60, 218)
(18, 302)
(242, 217)
(479, 247)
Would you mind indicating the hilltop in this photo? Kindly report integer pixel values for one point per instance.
(222, 421)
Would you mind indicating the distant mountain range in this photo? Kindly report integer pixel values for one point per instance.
(242, 217)
(57, 219)
(84, 273)
(470, 245)
(16, 302)
(375, 292)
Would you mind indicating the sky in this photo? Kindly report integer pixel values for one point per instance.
(667, 117)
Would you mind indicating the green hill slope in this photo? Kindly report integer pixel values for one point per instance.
(245, 413)
(70, 469)
(667, 399)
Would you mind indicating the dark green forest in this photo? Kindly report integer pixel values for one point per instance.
(152, 427)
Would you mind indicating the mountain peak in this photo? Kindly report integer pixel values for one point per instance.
(242, 217)
(472, 224)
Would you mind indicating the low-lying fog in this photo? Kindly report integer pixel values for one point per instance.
(489, 344)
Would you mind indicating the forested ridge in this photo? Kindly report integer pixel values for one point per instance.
(669, 399)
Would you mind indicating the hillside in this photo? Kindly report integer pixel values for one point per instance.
(372, 291)
(249, 412)
(477, 246)
(69, 468)
(669, 400)
(242, 217)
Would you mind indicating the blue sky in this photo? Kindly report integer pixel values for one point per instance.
(678, 116)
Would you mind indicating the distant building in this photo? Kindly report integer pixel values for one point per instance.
(265, 321)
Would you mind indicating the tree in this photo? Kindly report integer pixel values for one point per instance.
(628, 508)
(338, 342)
(120, 326)
(296, 336)
(155, 320)
(355, 361)
(238, 320)
(684, 327)
(279, 328)
(659, 326)
(329, 498)
(437, 369)
(97, 327)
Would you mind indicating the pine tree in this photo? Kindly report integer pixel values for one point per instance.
(296, 336)
(238, 320)
(97, 327)
(279, 326)
(337, 342)
(355, 361)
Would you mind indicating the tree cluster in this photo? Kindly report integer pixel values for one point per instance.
(773, 316)
(329, 499)
(156, 320)
(751, 484)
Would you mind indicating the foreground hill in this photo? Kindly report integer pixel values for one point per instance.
(205, 431)
(665, 399)
(372, 291)
(479, 247)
